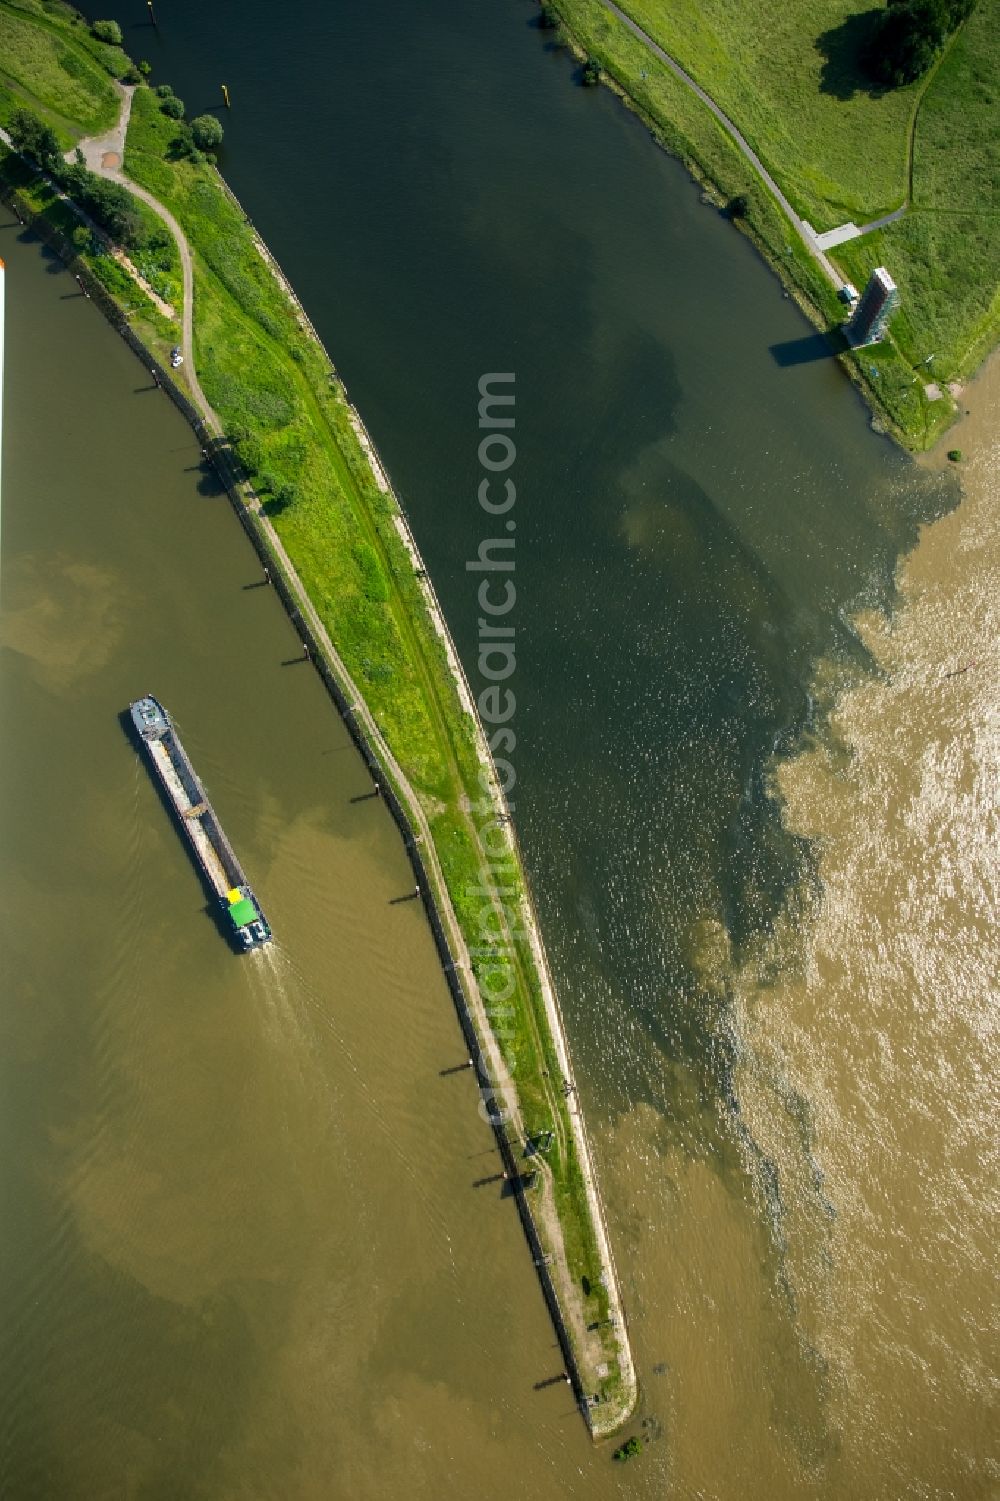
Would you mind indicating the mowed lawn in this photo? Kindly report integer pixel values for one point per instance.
(786, 72)
(54, 77)
(945, 253)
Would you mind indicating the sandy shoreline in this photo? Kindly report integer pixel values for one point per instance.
(979, 422)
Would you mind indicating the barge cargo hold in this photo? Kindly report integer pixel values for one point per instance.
(244, 920)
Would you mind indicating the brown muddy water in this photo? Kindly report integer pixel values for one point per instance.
(861, 1292)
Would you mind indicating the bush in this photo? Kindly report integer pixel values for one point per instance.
(116, 62)
(163, 91)
(33, 138)
(548, 18)
(628, 1450)
(910, 35)
(160, 241)
(955, 454)
(738, 207)
(107, 202)
(145, 67)
(591, 71)
(206, 132)
(248, 449)
(282, 496)
(172, 107)
(107, 31)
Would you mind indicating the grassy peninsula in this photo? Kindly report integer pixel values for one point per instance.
(789, 74)
(285, 416)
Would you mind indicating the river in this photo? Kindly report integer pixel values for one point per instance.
(796, 1161)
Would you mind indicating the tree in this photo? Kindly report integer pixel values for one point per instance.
(591, 71)
(628, 1450)
(738, 207)
(282, 496)
(207, 132)
(107, 31)
(173, 107)
(910, 36)
(145, 67)
(112, 207)
(249, 449)
(159, 240)
(32, 137)
(108, 203)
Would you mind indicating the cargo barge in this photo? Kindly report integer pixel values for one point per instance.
(244, 921)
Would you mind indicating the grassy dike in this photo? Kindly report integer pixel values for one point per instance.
(784, 72)
(287, 420)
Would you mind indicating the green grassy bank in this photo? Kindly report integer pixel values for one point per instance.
(287, 418)
(51, 64)
(787, 74)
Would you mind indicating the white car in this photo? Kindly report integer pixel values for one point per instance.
(176, 358)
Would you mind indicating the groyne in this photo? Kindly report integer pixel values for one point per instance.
(410, 820)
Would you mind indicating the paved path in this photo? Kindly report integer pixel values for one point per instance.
(804, 231)
(105, 155)
(897, 213)
(111, 144)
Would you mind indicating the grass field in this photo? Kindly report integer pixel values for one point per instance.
(945, 253)
(783, 72)
(55, 76)
(839, 151)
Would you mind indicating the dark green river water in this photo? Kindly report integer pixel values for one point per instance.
(247, 1260)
